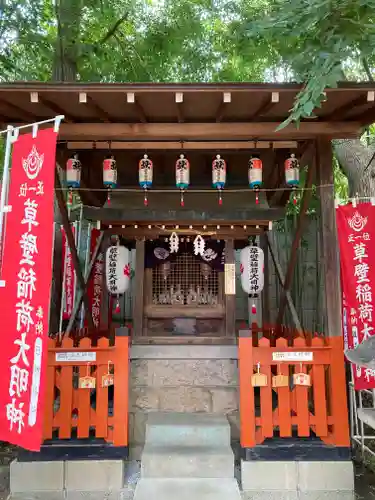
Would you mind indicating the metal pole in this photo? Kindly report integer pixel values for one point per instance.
(5, 181)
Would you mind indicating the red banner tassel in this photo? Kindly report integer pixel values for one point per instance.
(182, 202)
(117, 308)
(70, 198)
(257, 197)
(109, 197)
(253, 308)
(220, 198)
(145, 201)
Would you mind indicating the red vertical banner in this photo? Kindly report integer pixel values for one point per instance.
(69, 276)
(95, 286)
(25, 300)
(356, 235)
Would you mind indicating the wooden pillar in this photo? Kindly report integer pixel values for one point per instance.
(329, 246)
(230, 300)
(138, 305)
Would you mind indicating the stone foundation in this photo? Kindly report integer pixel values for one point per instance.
(182, 379)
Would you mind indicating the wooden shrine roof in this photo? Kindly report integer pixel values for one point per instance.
(234, 110)
(200, 208)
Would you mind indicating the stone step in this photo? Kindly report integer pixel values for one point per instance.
(187, 429)
(193, 462)
(187, 489)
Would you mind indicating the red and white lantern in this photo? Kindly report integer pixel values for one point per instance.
(145, 173)
(117, 266)
(292, 171)
(219, 175)
(182, 175)
(255, 174)
(292, 174)
(109, 175)
(73, 172)
(252, 272)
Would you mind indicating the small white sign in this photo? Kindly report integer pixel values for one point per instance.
(230, 279)
(292, 356)
(80, 357)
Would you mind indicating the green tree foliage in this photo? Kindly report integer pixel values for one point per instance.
(321, 41)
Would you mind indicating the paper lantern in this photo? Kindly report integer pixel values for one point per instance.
(73, 172)
(117, 269)
(252, 270)
(182, 175)
(255, 172)
(110, 172)
(219, 175)
(145, 173)
(292, 171)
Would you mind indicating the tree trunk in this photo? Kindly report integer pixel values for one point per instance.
(65, 69)
(358, 163)
(68, 16)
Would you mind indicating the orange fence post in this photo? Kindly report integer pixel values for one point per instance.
(63, 376)
(247, 410)
(337, 393)
(121, 388)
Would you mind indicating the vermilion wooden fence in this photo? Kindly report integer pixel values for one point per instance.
(320, 408)
(72, 412)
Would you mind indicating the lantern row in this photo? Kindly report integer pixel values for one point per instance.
(182, 172)
(118, 271)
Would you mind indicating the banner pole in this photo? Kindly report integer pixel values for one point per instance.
(4, 188)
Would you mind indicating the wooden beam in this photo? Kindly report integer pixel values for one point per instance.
(296, 241)
(265, 106)
(179, 99)
(207, 131)
(22, 113)
(329, 246)
(139, 276)
(366, 117)
(281, 278)
(112, 215)
(154, 233)
(226, 98)
(91, 103)
(71, 243)
(340, 112)
(230, 300)
(51, 106)
(188, 145)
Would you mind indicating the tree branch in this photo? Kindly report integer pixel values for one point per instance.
(367, 69)
(112, 30)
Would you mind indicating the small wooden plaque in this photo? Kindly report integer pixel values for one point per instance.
(259, 380)
(302, 379)
(280, 381)
(87, 382)
(108, 379)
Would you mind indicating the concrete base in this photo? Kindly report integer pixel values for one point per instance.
(297, 480)
(91, 479)
(294, 495)
(187, 489)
